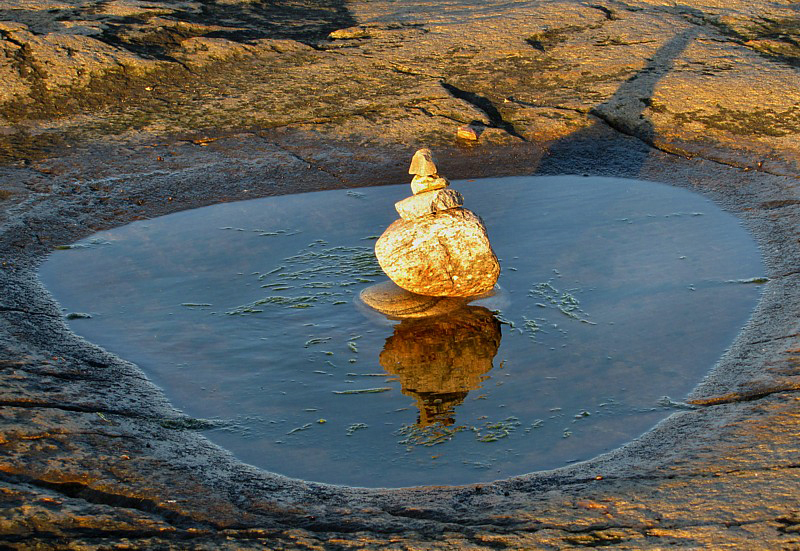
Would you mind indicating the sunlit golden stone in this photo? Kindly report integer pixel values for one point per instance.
(421, 184)
(423, 163)
(428, 203)
(442, 254)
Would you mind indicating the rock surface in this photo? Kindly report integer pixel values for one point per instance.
(442, 254)
(166, 111)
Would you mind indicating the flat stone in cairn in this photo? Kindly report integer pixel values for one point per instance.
(428, 202)
(421, 184)
(395, 302)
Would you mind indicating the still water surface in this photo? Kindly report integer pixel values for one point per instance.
(614, 294)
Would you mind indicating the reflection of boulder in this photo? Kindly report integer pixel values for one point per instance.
(438, 360)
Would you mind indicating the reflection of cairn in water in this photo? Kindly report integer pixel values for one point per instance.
(438, 360)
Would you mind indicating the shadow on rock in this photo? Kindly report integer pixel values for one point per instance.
(306, 21)
(624, 112)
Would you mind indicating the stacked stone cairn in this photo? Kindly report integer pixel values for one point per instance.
(437, 248)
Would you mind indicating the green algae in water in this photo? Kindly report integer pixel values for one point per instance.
(532, 326)
(317, 340)
(429, 435)
(356, 427)
(300, 429)
(595, 325)
(330, 266)
(364, 390)
(565, 301)
(494, 431)
(751, 280)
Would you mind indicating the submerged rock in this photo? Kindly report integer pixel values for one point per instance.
(437, 248)
(395, 302)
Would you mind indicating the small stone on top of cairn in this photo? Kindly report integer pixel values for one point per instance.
(437, 248)
(423, 163)
(426, 177)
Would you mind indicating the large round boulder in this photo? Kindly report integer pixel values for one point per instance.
(445, 254)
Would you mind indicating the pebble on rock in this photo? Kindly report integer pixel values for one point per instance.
(467, 133)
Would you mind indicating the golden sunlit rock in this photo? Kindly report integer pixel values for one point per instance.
(428, 202)
(467, 133)
(421, 184)
(442, 254)
(423, 163)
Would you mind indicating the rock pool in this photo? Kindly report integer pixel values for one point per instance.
(616, 297)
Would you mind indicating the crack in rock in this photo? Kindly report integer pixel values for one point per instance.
(87, 493)
(169, 423)
(735, 397)
(773, 339)
(623, 129)
(23, 311)
(309, 164)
